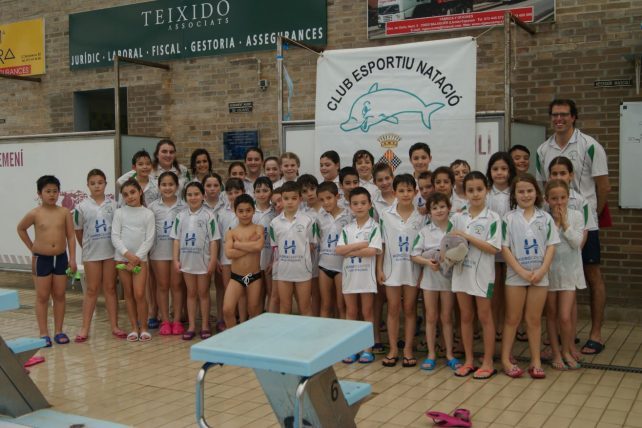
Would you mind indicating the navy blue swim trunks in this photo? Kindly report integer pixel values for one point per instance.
(47, 265)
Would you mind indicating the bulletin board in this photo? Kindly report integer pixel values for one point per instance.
(630, 154)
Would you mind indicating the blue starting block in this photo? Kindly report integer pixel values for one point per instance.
(18, 394)
(292, 357)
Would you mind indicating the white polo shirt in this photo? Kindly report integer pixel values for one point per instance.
(292, 239)
(220, 203)
(577, 202)
(566, 273)
(475, 275)
(528, 241)
(588, 158)
(429, 238)
(195, 231)
(380, 205)
(369, 186)
(398, 236)
(263, 219)
(498, 200)
(359, 273)
(226, 220)
(458, 203)
(330, 228)
(165, 216)
(95, 222)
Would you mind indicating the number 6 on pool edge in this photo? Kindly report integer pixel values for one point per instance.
(334, 390)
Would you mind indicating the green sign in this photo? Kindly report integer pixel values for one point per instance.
(170, 29)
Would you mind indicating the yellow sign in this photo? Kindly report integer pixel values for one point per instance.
(22, 48)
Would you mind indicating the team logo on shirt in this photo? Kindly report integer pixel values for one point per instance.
(190, 238)
(289, 247)
(532, 246)
(299, 228)
(167, 226)
(100, 225)
(332, 240)
(404, 245)
(539, 225)
(479, 229)
(352, 258)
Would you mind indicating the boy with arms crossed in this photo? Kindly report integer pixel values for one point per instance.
(243, 246)
(54, 231)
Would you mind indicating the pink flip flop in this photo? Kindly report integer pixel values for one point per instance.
(445, 420)
(34, 360)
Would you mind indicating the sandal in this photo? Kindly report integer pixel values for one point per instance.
(132, 337)
(559, 365)
(576, 366)
(445, 420)
(61, 339)
(351, 359)
(389, 361)
(464, 371)
(463, 414)
(592, 347)
(145, 336)
(165, 328)
(80, 338)
(453, 363)
(47, 341)
(153, 323)
(428, 364)
(188, 335)
(378, 348)
(514, 372)
(366, 357)
(205, 334)
(177, 328)
(536, 372)
(521, 336)
(483, 374)
(119, 334)
(498, 336)
(409, 362)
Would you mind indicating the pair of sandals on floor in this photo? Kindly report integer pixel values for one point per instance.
(459, 418)
(364, 357)
(142, 337)
(60, 339)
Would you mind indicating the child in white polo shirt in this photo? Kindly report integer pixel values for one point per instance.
(399, 225)
(332, 219)
(529, 236)
(473, 279)
(359, 243)
(292, 235)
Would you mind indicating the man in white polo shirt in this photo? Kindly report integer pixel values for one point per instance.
(592, 182)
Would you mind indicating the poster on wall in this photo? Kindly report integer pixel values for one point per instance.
(384, 99)
(389, 18)
(22, 48)
(23, 161)
(167, 29)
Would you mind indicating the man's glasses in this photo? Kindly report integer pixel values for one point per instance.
(565, 114)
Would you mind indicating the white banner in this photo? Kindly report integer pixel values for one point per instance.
(24, 160)
(384, 99)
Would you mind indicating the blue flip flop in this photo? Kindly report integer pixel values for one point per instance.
(428, 364)
(351, 359)
(61, 339)
(454, 364)
(47, 341)
(366, 358)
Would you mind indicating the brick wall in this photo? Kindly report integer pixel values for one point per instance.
(189, 103)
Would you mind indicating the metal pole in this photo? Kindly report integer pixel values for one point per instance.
(117, 162)
(300, 397)
(507, 77)
(279, 91)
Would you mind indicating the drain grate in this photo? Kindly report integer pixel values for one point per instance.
(586, 365)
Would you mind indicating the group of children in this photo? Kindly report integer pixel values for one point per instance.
(342, 246)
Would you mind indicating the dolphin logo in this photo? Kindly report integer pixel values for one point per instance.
(379, 105)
